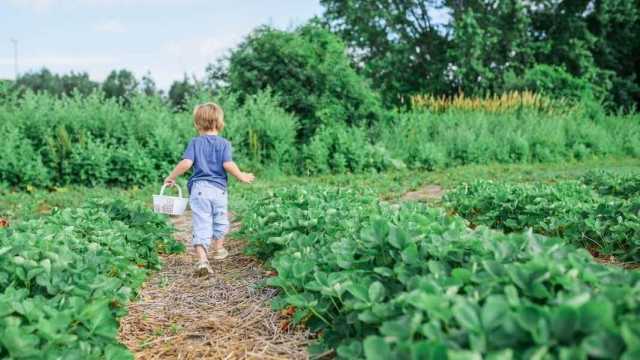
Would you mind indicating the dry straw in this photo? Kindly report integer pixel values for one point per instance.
(226, 316)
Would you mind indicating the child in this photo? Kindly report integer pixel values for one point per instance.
(210, 155)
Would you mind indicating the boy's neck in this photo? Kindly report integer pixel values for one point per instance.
(211, 132)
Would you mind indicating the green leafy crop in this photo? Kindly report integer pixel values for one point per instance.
(66, 278)
(571, 210)
(386, 282)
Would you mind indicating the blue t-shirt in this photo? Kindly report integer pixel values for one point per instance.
(209, 153)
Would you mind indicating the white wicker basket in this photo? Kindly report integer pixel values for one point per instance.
(172, 205)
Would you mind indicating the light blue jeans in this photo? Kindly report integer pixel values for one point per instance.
(209, 213)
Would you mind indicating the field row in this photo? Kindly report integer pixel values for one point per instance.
(383, 282)
(67, 277)
(601, 211)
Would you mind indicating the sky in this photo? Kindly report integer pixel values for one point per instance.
(167, 38)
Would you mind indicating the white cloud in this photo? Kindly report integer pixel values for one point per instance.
(113, 26)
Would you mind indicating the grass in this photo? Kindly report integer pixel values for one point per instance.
(27, 205)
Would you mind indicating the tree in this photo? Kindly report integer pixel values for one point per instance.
(57, 85)
(489, 39)
(310, 72)
(180, 92)
(396, 43)
(77, 82)
(149, 87)
(121, 84)
(616, 25)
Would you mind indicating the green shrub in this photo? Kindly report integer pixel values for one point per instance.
(340, 149)
(557, 83)
(262, 133)
(310, 72)
(20, 164)
(427, 140)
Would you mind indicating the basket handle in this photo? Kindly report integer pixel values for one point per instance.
(176, 185)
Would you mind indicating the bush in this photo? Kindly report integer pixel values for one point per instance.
(310, 72)
(340, 149)
(93, 140)
(556, 83)
(427, 140)
(262, 133)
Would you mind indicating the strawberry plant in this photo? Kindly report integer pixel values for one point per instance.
(570, 210)
(607, 183)
(382, 282)
(66, 278)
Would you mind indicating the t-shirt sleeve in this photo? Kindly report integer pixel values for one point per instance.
(189, 152)
(226, 152)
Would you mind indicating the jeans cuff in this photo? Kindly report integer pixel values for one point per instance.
(201, 241)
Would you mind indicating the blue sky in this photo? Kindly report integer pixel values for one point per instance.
(165, 37)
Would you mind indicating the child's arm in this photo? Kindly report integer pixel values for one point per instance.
(180, 169)
(233, 169)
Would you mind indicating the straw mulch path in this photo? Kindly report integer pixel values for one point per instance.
(224, 316)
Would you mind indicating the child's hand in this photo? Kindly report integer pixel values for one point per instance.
(169, 181)
(246, 178)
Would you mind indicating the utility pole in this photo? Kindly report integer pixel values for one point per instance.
(15, 56)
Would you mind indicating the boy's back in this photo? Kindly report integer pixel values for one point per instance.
(208, 153)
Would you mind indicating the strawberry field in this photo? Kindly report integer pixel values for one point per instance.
(67, 277)
(600, 212)
(433, 180)
(382, 282)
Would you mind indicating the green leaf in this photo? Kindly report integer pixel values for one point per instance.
(461, 274)
(396, 330)
(384, 271)
(376, 292)
(359, 291)
(564, 322)
(463, 355)
(410, 255)
(494, 311)
(375, 348)
(117, 352)
(4, 250)
(596, 314)
(467, 315)
(631, 334)
(19, 342)
(428, 350)
(397, 238)
(351, 350)
(603, 345)
(506, 354)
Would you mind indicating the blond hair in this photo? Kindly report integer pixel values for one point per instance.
(208, 116)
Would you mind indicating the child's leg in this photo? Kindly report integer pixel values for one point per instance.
(220, 227)
(201, 252)
(202, 216)
(220, 220)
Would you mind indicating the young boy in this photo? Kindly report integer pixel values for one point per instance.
(210, 155)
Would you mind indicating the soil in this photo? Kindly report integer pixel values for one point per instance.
(224, 316)
(427, 193)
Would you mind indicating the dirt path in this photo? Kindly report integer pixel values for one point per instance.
(426, 193)
(225, 316)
